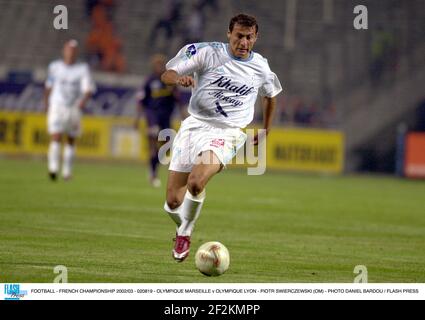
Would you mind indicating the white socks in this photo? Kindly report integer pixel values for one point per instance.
(68, 157)
(186, 215)
(174, 214)
(53, 156)
(191, 209)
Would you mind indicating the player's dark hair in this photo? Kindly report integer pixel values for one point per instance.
(243, 20)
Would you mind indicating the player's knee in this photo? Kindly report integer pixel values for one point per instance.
(195, 184)
(173, 202)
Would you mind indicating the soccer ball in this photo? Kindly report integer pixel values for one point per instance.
(212, 259)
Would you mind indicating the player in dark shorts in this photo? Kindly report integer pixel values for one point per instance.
(157, 102)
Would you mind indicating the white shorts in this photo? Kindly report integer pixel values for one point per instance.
(195, 137)
(65, 120)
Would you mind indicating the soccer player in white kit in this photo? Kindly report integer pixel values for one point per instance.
(227, 79)
(67, 89)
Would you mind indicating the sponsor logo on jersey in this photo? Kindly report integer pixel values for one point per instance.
(191, 51)
(217, 143)
(224, 82)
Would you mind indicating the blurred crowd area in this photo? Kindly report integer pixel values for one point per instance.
(104, 46)
(296, 111)
(328, 69)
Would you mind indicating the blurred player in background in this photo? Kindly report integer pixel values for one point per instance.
(157, 101)
(67, 89)
(227, 79)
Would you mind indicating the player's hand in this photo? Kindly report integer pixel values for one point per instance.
(186, 81)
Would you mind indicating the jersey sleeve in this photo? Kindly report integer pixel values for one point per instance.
(271, 86)
(189, 59)
(87, 83)
(50, 76)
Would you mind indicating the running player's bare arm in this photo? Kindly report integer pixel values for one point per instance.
(269, 106)
(172, 78)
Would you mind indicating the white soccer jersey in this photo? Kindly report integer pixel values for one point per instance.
(226, 87)
(68, 83)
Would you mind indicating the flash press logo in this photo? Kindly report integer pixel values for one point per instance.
(14, 292)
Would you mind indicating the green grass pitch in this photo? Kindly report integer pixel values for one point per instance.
(107, 225)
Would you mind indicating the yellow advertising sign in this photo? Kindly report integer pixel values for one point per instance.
(95, 138)
(107, 137)
(12, 132)
(305, 150)
(23, 133)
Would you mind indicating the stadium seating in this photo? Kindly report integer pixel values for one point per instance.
(33, 41)
(331, 61)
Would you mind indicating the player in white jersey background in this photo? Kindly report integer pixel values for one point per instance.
(226, 81)
(68, 87)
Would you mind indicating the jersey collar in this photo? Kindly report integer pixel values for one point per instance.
(251, 55)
